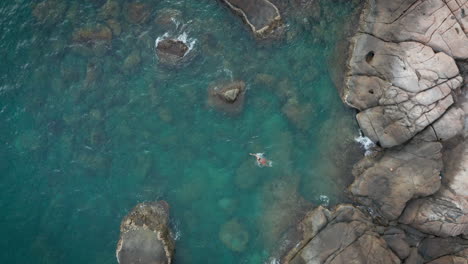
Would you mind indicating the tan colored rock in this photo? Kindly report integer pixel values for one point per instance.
(446, 213)
(439, 24)
(450, 260)
(349, 237)
(298, 237)
(436, 247)
(400, 88)
(387, 182)
(448, 126)
(145, 236)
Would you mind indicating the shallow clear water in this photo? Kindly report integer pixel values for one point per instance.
(84, 139)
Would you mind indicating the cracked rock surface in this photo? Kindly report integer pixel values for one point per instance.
(445, 213)
(399, 88)
(440, 24)
(388, 181)
(348, 236)
(404, 80)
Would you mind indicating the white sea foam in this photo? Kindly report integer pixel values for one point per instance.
(274, 261)
(325, 201)
(190, 42)
(176, 23)
(366, 143)
(176, 231)
(160, 38)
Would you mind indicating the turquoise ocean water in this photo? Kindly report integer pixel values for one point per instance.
(84, 137)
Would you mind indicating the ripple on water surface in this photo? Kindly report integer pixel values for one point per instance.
(91, 124)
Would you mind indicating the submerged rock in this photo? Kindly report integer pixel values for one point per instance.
(228, 97)
(132, 61)
(234, 236)
(168, 19)
(138, 13)
(50, 12)
(145, 236)
(262, 16)
(110, 10)
(298, 114)
(282, 208)
(92, 34)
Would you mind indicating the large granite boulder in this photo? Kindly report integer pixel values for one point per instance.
(445, 213)
(440, 24)
(262, 16)
(227, 96)
(389, 180)
(401, 71)
(344, 236)
(145, 236)
(399, 88)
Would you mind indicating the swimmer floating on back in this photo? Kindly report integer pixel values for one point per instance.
(261, 160)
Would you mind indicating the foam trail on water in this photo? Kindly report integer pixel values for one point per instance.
(365, 142)
(325, 201)
(160, 38)
(190, 42)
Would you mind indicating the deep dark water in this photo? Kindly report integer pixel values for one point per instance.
(88, 132)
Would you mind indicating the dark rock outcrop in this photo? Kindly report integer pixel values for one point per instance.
(262, 16)
(145, 236)
(173, 53)
(228, 97)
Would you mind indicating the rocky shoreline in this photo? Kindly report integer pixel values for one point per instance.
(407, 76)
